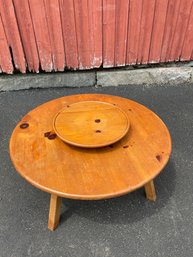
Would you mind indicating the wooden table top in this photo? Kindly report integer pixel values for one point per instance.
(91, 124)
(48, 163)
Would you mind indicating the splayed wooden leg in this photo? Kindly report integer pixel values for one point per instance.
(54, 213)
(150, 191)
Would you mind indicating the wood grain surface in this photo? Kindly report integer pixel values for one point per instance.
(91, 124)
(54, 212)
(48, 163)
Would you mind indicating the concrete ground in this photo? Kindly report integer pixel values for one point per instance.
(121, 227)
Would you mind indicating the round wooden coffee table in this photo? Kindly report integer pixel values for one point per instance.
(64, 170)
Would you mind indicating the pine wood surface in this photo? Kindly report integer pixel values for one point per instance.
(48, 163)
(91, 124)
(54, 212)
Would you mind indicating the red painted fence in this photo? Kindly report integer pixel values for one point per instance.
(53, 35)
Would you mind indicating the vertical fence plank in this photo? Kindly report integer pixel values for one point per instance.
(55, 31)
(83, 34)
(121, 29)
(40, 25)
(88, 33)
(95, 28)
(91, 32)
(5, 57)
(108, 32)
(23, 16)
(69, 33)
(170, 25)
(12, 34)
(135, 10)
(180, 30)
(146, 31)
(188, 43)
(158, 30)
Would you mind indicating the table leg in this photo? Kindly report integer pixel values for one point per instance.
(150, 191)
(54, 213)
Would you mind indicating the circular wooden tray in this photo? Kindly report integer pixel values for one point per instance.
(91, 124)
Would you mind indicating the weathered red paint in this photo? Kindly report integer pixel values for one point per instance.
(180, 31)
(186, 53)
(84, 34)
(41, 30)
(134, 25)
(121, 28)
(158, 30)
(69, 33)
(24, 20)
(12, 33)
(146, 31)
(95, 27)
(108, 32)
(56, 38)
(170, 25)
(5, 57)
